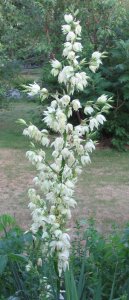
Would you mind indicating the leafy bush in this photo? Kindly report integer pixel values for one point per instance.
(12, 258)
(100, 264)
(117, 128)
(117, 75)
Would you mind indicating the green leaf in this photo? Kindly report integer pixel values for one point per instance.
(5, 221)
(71, 290)
(98, 291)
(124, 78)
(3, 263)
(67, 284)
(18, 257)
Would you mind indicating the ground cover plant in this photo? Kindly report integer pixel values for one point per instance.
(42, 264)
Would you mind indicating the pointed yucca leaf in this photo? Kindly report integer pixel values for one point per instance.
(67, 284)
(70, 286)
(98, 291)
(74, 288)
(81, 286)
(3, 263)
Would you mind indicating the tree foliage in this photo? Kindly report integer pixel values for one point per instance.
(30, 34)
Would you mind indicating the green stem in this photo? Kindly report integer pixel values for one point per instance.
(57, 273)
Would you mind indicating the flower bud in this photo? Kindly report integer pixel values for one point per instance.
(76, 104)
(68, 18)
(71, 36)
(102, 99)
(39, 262)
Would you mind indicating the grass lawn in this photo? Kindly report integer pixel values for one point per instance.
(10, 131)
(102, 190)
(27, 76)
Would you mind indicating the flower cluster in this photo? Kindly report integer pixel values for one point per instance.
(56, 178)
(96, 61)
(70, 75)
